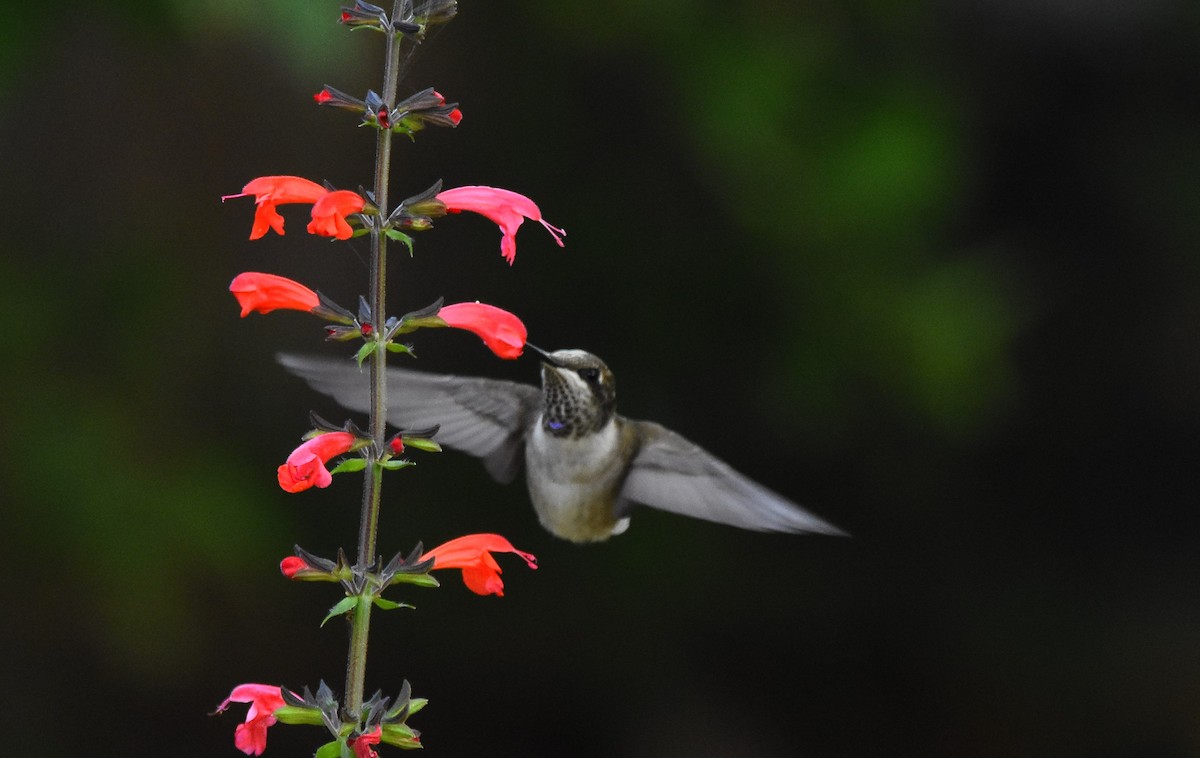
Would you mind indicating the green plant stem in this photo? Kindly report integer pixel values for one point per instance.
(356, 660)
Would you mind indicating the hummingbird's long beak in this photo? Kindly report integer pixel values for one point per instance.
(544, 354)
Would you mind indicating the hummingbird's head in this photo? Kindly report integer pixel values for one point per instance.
(579, 393)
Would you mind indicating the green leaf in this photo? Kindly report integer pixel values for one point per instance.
(343, 606)
(349, 464)
(398, 347)
(329, 750)
(390, 605)
(365, 351)
(399, 236)
(397, 463)
(416, 704)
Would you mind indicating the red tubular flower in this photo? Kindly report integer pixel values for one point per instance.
(270, 191)
(362, 744)
(264, 699)
(305, 467)
(502, 332)
(263, 293)
(330, 211)
(473, 554)
(508, 209)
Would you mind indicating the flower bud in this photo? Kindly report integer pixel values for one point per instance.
(338, 99)
(365, 15)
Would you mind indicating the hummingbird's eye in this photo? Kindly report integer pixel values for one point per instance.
(589, 375)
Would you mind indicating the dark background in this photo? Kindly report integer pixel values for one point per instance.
(929, 268)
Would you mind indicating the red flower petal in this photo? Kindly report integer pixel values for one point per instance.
(251, 737)
(505, 207)
(473, 554)
(263, 293)
(270, 191)
(329, 214)
(305, 467)
(501, 331)
(362, 744)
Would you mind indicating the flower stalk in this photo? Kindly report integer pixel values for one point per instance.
(360, 625)
(357, 723)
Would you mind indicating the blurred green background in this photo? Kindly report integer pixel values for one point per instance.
(929, 268)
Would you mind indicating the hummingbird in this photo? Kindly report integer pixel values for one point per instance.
(585, 464)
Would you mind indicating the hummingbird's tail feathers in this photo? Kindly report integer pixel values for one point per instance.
(482, 417)
(671, 473)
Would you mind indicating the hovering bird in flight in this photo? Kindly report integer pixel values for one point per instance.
(585, 464)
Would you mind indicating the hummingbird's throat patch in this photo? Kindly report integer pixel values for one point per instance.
(570, 407)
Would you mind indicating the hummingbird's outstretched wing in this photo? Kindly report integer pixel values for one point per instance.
(673, 474)
(482, 417)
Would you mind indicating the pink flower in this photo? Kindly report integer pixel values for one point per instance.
(362, 744)
(270, 191)
(473, 554)
(508, 209)
(251, 736)
(305, 467)
(501, 331)
(330, 211)
(263, 293)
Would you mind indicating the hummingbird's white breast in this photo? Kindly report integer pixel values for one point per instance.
(573, 481)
